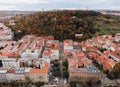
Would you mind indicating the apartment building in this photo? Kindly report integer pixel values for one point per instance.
(10, 63)
(10, 74)
(5, 32)
(82, 69)
(34, 50)
(117, 37)
(68, 44)
(40, 74)
(3, 75)
(51, 50)
(19, 74)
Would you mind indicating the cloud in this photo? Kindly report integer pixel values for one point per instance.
(22, 1)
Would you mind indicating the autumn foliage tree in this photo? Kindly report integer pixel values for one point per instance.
(61, 24)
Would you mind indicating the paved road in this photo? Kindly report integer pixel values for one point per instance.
(106, 81)
(61, 80)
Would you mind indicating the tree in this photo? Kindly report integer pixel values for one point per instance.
(73, 84)
(39, 84)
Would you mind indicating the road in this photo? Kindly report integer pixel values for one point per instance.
(61, 80)
(106, 81)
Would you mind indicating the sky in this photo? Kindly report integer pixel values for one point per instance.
(38, 5)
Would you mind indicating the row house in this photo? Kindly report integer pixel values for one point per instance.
(115, 55)
(40, 73)
(106, 62)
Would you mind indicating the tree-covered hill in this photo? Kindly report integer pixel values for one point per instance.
(65, 24)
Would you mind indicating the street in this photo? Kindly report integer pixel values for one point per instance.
(61, 80)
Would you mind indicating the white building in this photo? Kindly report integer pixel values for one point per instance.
(51, 50)
(10, 63)
(3, 75)
(5, 33)
(117, 37)
(68, 44)
(34, 50)
(19, 74)
(10, 74)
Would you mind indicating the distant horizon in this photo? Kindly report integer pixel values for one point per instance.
(38, 5)
(63, 9)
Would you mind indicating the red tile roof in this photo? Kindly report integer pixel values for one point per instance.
(41, 71)
(10, 71)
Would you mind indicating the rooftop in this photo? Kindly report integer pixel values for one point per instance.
(44, 69)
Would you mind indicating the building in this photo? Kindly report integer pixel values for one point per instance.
(82, 69)
(11, 50)
(106, 62)
(68, 44)
(51, 50)
(26, 72)
(117, 37)
(19, 74)
(40, 74)
(84, 74)
(47, 53)
(5, 32)
(12, 22)
(10, 63)
(34, 50)
(10, 74)
(3, 75)
(73, 53)
(23, 62)
(115, 55)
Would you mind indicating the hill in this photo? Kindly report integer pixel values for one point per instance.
(65, 24)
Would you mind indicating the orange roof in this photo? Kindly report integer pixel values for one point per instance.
(41, 71)
(105, 61)
(10, 71)
(108, 66)
(78, 54)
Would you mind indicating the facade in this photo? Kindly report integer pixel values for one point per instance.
(84, 74)
(10, 74)
(10, 63)
(106, 62)
(68, 44)
(115, 55)
(82, 69)
(117, 37)
(40, 74)
(19, 74)
(5, 33)
(3, 75)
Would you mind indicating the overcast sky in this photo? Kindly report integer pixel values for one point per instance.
(37, 5)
